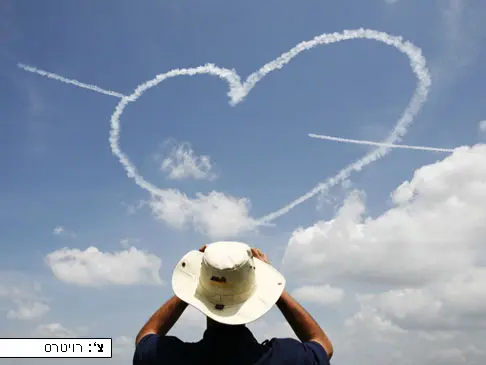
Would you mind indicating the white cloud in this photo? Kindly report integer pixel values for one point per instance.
(325, 295)
(123, 345)
(455, 304)
(434, 229)
(192, 318)
(55, 330)
(421, 263)
(266, 329)
(182, 163)
(27, 310)
(61, 231)
(482, 126)
(367, 321)
(58, 230)
(21, 297)
(416, 343)
(123, 340)
(127, 242)
(216, 214)
(449, 356)
(95, 268)
(190, 326)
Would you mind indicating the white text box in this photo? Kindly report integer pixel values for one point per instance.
(55, 347)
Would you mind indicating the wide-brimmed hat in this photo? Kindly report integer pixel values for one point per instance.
(227, 283)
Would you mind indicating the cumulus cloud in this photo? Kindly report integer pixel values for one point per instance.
(433, 230)
(455, 304)
(419, 265)
(215, 214)
(325, 295)
(92, 267)
(182, 163)
(368, 321)
(388, 341)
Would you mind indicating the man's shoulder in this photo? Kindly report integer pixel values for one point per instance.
(152, 347)
(290, 350)
(166, 341)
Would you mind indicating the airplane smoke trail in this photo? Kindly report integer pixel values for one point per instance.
(228, 75)
(419, 67)
(69, 81)
(370, 143)
(238, 91)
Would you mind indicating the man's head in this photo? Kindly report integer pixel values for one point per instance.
(227, 283)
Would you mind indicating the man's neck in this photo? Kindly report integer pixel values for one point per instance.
(212, 324)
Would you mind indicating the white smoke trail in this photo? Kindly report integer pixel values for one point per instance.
(230, 76)
(69, 81)
(389, 145)
(238, 91)
(419, 67)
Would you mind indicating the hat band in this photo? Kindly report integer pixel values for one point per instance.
(224, 299)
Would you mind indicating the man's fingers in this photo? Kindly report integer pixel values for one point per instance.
(256, 252)
(259, 254)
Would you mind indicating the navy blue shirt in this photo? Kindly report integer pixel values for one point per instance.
(235, 346)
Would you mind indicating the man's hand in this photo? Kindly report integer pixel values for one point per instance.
(260, 255)
(255, 251)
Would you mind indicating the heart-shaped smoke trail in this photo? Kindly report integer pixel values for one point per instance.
(238, 91)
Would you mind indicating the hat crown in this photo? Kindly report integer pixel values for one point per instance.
(227, 273)
(226, 255)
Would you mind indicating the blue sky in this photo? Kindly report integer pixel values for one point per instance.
(59, 171)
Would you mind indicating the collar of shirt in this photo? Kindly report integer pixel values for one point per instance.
(224, 334)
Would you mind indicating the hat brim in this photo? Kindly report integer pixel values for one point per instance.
(269, 285)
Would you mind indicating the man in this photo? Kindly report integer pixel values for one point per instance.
(233, 285)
